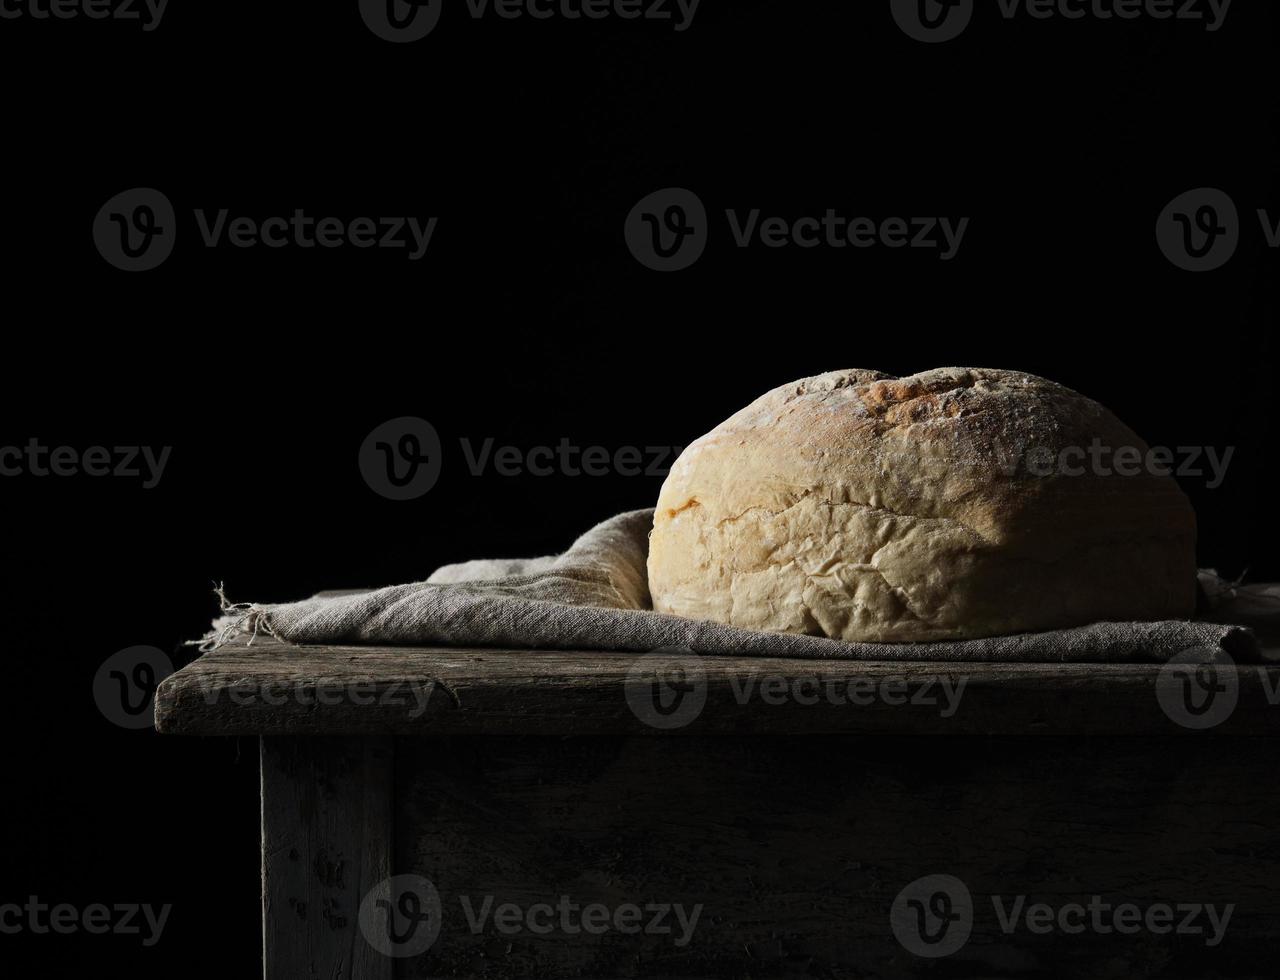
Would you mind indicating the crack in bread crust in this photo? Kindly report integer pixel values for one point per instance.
(868, 507)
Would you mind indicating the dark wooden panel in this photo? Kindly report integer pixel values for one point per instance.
(272, 688)
(796, 848)
(326, 840)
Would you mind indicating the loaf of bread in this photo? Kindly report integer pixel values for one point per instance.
(952, 504)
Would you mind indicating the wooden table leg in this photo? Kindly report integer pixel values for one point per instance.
(326, 840)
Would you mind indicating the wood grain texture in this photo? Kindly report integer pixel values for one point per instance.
(272, 688)
(326, 839)
(796, 848)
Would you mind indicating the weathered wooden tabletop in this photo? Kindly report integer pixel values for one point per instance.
(270, 688)
(452, 771)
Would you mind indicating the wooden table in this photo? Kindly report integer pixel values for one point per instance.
(617, 815)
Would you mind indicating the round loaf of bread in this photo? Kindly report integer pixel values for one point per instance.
(952, 504)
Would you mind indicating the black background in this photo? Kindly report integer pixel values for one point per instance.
(529, 322)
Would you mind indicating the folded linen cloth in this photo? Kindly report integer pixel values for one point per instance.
(595, 596)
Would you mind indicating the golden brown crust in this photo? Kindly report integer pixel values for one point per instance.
(865, 507)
